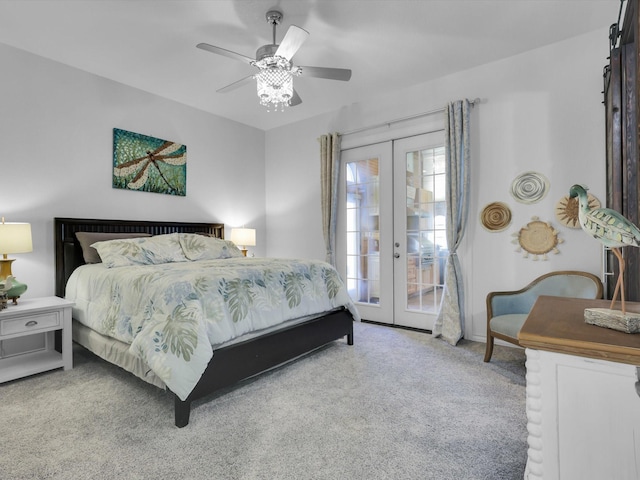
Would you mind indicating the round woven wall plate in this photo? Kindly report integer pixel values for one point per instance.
(495, 217)
(537, 238)
(567, 210)
(529, 187)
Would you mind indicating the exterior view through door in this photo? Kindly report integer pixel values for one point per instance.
(391, 240)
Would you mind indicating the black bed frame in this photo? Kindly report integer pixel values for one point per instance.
(231, 364)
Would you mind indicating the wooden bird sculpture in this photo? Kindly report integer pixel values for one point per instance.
(611, 229)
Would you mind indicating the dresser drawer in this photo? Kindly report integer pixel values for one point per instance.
(31, 323)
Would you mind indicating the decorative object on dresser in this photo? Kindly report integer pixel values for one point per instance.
(14, 238)
(614, 231)
(149, 164)
(35, 321)
(230, 362)
(508, 310)
(243, 237)
(5, 286)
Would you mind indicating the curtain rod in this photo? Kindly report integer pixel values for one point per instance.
(403, 119)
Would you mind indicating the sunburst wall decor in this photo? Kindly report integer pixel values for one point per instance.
(567, 210)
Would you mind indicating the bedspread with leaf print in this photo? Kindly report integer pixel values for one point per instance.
(171, 314)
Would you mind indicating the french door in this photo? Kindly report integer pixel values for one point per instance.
(391, 243)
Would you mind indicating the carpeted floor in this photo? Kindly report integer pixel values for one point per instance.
(396, 405)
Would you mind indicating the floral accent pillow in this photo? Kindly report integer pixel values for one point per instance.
(202, 247)
(141, 251)
(87, 239)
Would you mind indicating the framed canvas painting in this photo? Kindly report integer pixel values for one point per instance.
(148, 164)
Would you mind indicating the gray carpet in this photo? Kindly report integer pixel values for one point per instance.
(396, 405)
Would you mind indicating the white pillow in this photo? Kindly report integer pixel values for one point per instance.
(202, 247)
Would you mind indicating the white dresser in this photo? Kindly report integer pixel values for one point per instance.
(28, 337)
(583, 406)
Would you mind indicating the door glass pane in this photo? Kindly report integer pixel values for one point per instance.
(425, 234)
(363, 231)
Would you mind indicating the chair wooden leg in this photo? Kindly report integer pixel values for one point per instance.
(489, 350)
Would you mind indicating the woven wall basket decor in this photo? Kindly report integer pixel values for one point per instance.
(495, 217)
(567, 210)
(529, 187)
(537, 238)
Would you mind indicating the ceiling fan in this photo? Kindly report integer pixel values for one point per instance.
(276, 70)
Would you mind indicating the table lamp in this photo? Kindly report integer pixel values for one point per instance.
(14, 238)
(243, 237)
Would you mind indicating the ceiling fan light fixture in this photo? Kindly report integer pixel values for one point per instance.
(275, 88)
(276, 70)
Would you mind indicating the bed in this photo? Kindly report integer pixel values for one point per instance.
(232, 361)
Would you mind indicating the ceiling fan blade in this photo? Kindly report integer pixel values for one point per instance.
(291, 42)
(295, 99)
(234, 85)
(225, 52)
(343, 74)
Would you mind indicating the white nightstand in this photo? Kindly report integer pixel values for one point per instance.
(38, 318)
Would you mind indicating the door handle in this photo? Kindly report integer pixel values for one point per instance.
(396, 255)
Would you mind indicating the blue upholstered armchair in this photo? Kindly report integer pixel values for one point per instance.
(507, 311)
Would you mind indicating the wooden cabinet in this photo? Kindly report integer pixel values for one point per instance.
(621, 111)
(27, 337)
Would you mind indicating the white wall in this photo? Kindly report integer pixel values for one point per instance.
(56, 128)
(540, 111)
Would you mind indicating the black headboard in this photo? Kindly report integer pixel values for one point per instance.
(69, 254)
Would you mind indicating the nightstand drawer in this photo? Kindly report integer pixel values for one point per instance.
(31, 323)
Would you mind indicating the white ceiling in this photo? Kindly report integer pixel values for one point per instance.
(388, 44)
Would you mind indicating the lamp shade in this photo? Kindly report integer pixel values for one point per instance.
(15, 238)
(243, 237)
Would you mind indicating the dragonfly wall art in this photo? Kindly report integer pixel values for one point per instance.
(149, 164)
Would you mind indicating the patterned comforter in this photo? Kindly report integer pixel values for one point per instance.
(171, 314)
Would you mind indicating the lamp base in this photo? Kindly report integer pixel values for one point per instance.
(244, 251)
(5, 267)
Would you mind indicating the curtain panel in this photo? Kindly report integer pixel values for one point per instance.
(450, 322)
(329, 170)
